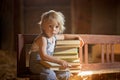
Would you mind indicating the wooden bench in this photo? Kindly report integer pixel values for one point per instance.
(107, 65)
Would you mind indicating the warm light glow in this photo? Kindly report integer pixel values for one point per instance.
(85, 73)
(82, 75)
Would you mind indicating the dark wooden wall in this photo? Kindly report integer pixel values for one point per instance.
(81, 16)
(6, 24)
(33, 9)
(96, 16)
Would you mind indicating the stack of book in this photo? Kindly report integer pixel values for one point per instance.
(66, 50)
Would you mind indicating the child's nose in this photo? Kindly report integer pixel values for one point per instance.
(54, 28)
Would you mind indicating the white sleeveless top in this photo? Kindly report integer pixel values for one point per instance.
(49, 49)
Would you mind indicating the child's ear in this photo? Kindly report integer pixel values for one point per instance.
(41, 29)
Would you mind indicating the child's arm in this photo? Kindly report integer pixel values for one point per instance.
(70, 37)
(44, 56)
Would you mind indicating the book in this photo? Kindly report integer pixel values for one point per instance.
(66, 50)
(74, 68)
(67, 56)
(51, 64)
(48, 64)
(70, 59)
(67, 46)
(64, 54)
(68, 42)
(71, 68)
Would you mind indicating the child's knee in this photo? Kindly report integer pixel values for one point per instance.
(63, 75)
(52, 76)
(49, 75)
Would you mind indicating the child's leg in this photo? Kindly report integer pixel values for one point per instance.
(62, 75)
(48, 75)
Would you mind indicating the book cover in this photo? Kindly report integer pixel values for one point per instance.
(51, 64)
(67, 56)
(68, 46)
(68, 42)
(66, 50)
(48, 64)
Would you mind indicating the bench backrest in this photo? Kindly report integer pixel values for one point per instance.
(106, 41)
(23, 39)
(108, 62)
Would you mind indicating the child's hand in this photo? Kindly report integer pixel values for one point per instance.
(81, 42)
(64, 64)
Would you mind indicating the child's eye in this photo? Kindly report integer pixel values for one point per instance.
(50, 26)
(57, 26)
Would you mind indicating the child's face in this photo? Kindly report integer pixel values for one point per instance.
(51, 28)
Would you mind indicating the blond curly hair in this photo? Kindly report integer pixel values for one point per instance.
(50, 15)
